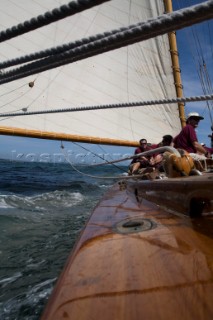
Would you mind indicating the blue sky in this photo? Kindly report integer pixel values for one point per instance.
(198, 41)
(41, 150)
(38, 150)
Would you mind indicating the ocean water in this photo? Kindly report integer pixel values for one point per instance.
(43, 208)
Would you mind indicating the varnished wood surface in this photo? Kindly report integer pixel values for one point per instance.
(165, 272)
(12, 131)
(192, 195)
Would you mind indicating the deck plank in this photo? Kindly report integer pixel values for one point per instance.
(165, 272)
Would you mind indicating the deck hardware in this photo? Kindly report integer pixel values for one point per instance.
(122, 185)
(134, 225)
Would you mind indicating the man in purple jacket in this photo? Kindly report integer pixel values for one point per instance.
(187, 138)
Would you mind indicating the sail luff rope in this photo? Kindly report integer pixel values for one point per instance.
(111, 106)
(48, 17)
(139, 32)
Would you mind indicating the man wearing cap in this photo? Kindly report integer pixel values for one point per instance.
(187, 138)
(141, 162)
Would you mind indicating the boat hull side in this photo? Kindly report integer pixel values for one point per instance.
(134, 262)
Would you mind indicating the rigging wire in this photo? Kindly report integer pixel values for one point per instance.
(95, 154)
(132, 177)
(199, 60)
(211, 41)
(9, 92)
(16, 99)
(102, 149)
(96, 177)
(207, 87)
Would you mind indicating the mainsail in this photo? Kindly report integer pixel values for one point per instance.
(138, 72)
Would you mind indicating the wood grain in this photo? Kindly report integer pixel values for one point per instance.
(165, 272)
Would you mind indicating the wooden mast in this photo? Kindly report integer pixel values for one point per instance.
(176, 66)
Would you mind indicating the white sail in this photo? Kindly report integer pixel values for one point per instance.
(137, 72)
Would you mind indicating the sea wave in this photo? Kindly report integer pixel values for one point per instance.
(42, 202)
(42, 211)
(3, 203)
(4, 282)
(22, 305)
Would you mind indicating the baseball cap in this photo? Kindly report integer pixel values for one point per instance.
(194, 115)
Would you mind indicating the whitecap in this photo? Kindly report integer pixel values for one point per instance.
(35, 265)
(40, 286)
(42, 202)
(62, 199)
(6, 281)
(3, 203)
